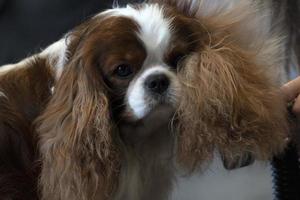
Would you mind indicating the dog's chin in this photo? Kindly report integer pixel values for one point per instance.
(157, 120)
(145, 111)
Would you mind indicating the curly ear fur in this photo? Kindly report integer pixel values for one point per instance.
(79, 155)
(230, 103)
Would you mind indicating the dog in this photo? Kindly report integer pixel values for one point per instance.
(124, 101)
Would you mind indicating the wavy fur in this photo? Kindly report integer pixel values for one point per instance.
(230, 102)
(79, 154)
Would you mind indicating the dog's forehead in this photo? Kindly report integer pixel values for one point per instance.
(154, 26)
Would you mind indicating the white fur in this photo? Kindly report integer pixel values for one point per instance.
(56, 54)
(136, 100)
(2, 94)
(155, 31)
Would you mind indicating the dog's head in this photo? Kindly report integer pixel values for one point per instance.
(123, 63)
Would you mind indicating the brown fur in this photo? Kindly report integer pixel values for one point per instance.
(25, 91)
(230, 96)
(77, 139)
(229, 102)
(79, 143)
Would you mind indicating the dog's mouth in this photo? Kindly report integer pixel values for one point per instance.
(151, 104)
(159, 120)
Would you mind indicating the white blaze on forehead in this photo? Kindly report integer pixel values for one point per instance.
(136, 96)
(154, 26)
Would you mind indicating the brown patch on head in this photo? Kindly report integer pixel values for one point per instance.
(109, 42)
(188, 36)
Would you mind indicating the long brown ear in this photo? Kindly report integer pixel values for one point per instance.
(79, 155)
(229, 103)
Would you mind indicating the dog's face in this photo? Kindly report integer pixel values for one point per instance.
(139, 53)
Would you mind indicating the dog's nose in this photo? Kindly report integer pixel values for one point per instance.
(157, 83)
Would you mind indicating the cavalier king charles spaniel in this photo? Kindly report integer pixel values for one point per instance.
(137, 94)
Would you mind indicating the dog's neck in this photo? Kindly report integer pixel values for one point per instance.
(147, 170)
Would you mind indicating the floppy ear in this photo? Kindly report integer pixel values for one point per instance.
(79, 155)
(231, 104)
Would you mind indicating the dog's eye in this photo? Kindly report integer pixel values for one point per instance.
(175, 60)
(123, 70)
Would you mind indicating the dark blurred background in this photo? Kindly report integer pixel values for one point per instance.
(26, 26)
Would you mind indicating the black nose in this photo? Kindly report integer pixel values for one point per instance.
(157, 83)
